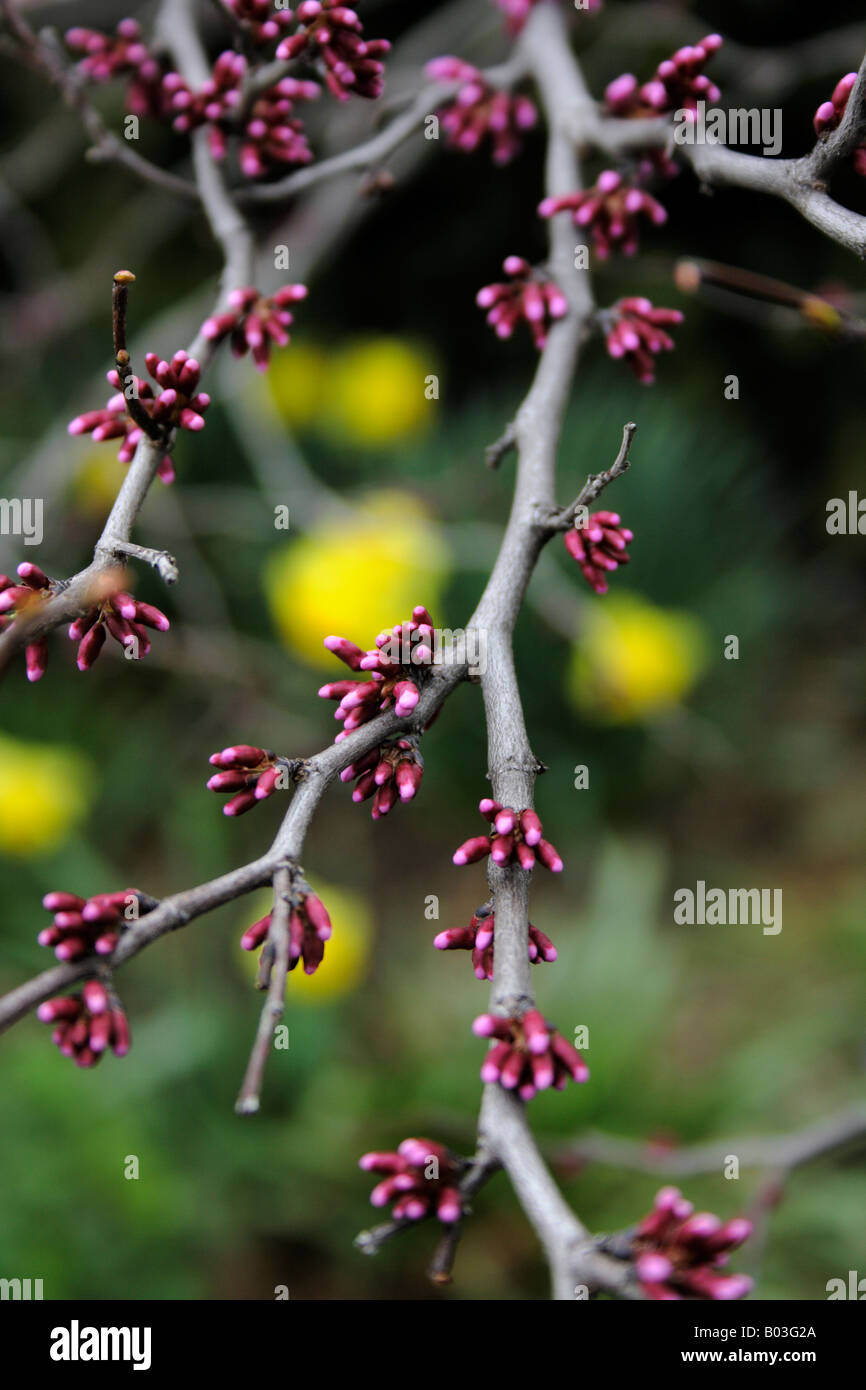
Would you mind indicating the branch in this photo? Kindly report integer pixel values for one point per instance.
(503, 1128)
(799, 182)
(595, 484)
(278, 941)
(43, 53)
(314, 777)
(784, 1152)
(375, 151)
(478, 1170)
(235, 239)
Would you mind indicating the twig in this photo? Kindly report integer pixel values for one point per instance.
(477, 1171)
(160, 560)
(43, 52)
(501, 447)
(278, 938)
(594, 485)
(128, 383)
(480, 1170)
(783, 1153)
(735, 283)
(375, 151)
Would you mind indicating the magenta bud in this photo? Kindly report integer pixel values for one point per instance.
(95, 997)
(317, 916)
(530, 823)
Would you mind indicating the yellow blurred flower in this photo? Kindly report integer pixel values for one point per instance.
(634, 660)
(347, 953)
(372, 392)
(376, 391)
(296, 380)
(353, 577)
(45, 791)
(97, 480)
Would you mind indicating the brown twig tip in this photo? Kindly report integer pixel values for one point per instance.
(119, 296)
(687, 276)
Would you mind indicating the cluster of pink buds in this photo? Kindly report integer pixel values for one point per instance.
(529, 297)
(259, 18)
(479, 111)
(677, 1253)
(14, 599)
(271, 134)
(332, 33)
(635, 331)
(517, 11)
(251, 774)
(420, 1180)
(611, 210)
(86, 1024)
(678, 85)
(478, 938)
(178, 404)
(309, 929)
(122, 617)
(599, 547)
(121, 54)
(214, 101)
(255, 321)
(395, 668)
(514, 838)
(528, 1055)
(830, 113)
(390, 773)
(81, 925)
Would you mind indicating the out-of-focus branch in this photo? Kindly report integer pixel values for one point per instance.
(43, 53)
(278, 942)
(781, 1152)
(375, 151)
(236, 242)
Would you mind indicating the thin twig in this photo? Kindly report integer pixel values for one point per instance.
(783, 1152)
(128, 382)
(594, 485)
(272, 1011)
(44, 53)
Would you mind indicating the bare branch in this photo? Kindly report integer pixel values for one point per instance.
(44, 53)
(783, 1152)
(278, 940)
(594, 485)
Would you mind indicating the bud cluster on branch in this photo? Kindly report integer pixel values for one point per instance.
(86, 1024)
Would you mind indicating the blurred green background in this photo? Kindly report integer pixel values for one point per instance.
(742, 773)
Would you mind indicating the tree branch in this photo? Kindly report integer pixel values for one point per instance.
(272, 1011)
(784, 1152)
